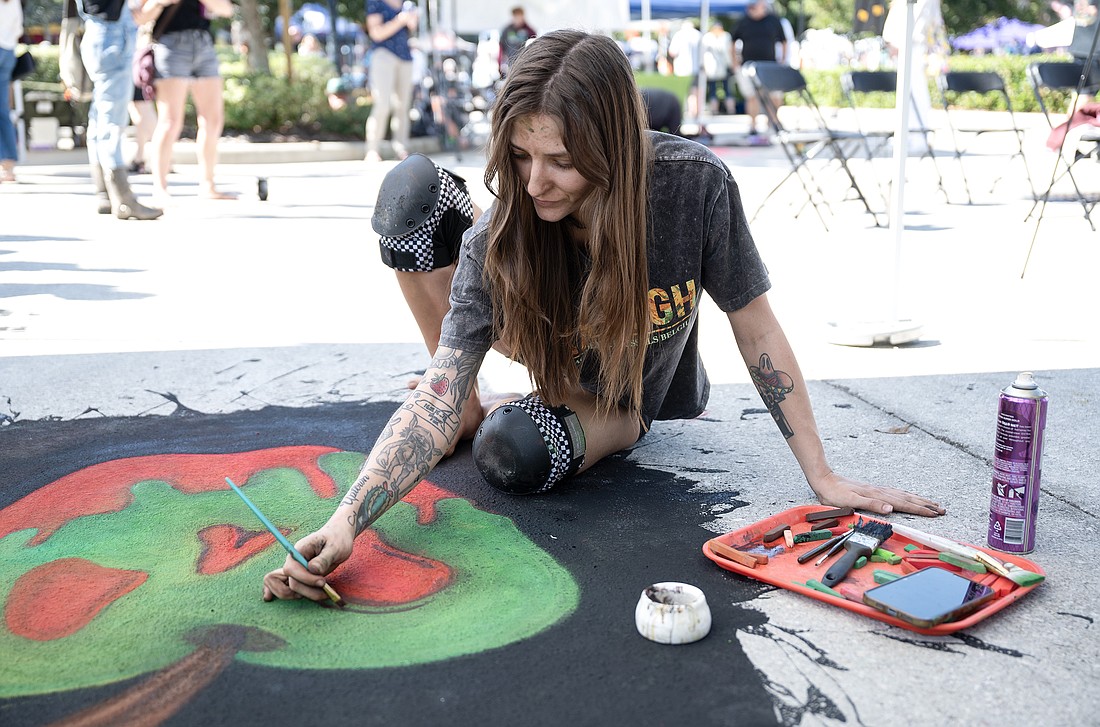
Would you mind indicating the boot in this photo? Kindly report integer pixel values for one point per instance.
(124, 203)
(103, 202)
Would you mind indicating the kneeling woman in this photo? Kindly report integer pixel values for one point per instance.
(588, 269)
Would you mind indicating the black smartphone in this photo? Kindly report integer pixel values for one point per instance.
(928, 597)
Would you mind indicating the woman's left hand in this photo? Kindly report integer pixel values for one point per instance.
(839, 491)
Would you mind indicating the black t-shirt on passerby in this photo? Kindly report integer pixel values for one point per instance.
(512, 40)
(758, 37)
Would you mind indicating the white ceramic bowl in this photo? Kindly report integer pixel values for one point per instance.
(672, 613)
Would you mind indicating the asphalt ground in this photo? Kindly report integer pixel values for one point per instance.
(273, 324)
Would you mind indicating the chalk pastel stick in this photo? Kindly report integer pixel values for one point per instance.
(961, 562)
(733, 554)
(885, 576)
(332, 594)
(776, 533)
(887, 556)
(826, 514)
(819, 586)
(813, 535)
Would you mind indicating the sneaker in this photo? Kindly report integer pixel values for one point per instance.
(137, 167)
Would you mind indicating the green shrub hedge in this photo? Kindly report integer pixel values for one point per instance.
(258, 103)
(824, 85)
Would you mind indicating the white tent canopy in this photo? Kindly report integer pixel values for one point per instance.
(468, 18)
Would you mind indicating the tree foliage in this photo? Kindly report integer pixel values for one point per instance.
(960, 16)
(48, 12)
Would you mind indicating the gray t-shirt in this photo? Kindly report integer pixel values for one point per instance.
(698, 241)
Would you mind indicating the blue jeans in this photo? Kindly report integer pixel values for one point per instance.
(8, 148)
(107, 50)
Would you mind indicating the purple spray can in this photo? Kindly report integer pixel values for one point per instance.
(1017, 460)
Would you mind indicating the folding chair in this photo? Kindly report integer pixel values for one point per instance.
(857, 84)
(1059, 78)
(984, 83)
(804, 145)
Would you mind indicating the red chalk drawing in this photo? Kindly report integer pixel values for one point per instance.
(59, 598)
(105, 488)
(225, 546)
(151, 565)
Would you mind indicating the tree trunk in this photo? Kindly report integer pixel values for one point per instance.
(254, 31)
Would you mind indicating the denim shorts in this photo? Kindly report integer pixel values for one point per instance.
(186, 54)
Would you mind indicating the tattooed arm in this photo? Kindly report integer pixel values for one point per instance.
(412, 443)
(775, 372)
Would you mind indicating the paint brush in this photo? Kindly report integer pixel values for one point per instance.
(827, 545)
(1016, 574)
(329, 590)
(836, 546)
(864, 540)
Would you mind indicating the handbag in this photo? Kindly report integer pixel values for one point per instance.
(144, 67)
(24, 66)
(145, 72)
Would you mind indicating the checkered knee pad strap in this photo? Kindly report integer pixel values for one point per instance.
(434, 243)
(551, 425)
(525, 447)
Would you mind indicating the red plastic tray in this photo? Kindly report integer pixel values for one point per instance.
(784, 570)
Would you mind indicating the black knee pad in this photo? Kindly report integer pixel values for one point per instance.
(526, 447)
(421, 213)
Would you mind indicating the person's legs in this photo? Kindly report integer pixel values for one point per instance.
(206, 93)
(727, 95)
(402, 95)
(712, 95)
(527, 446)
(9, 151)
(143, 115)
(210, 109)
(171, 100)
(748, 93)
(693, 100)
(604, 435)
(107, 49)
(383, 67)
(427, 295)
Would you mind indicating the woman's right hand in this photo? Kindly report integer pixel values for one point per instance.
(324, 550)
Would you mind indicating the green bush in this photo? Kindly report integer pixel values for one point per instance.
(678, 85)
(257, 103)
(45, 66)
(825, 84)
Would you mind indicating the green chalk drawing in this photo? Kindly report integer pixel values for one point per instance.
(487, 584)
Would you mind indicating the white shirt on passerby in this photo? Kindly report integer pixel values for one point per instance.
(717, 54)
(684, 49)
(11, 23)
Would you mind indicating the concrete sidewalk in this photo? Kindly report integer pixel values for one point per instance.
(224, 307)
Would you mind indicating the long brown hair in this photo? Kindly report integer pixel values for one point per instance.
(585, 82)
